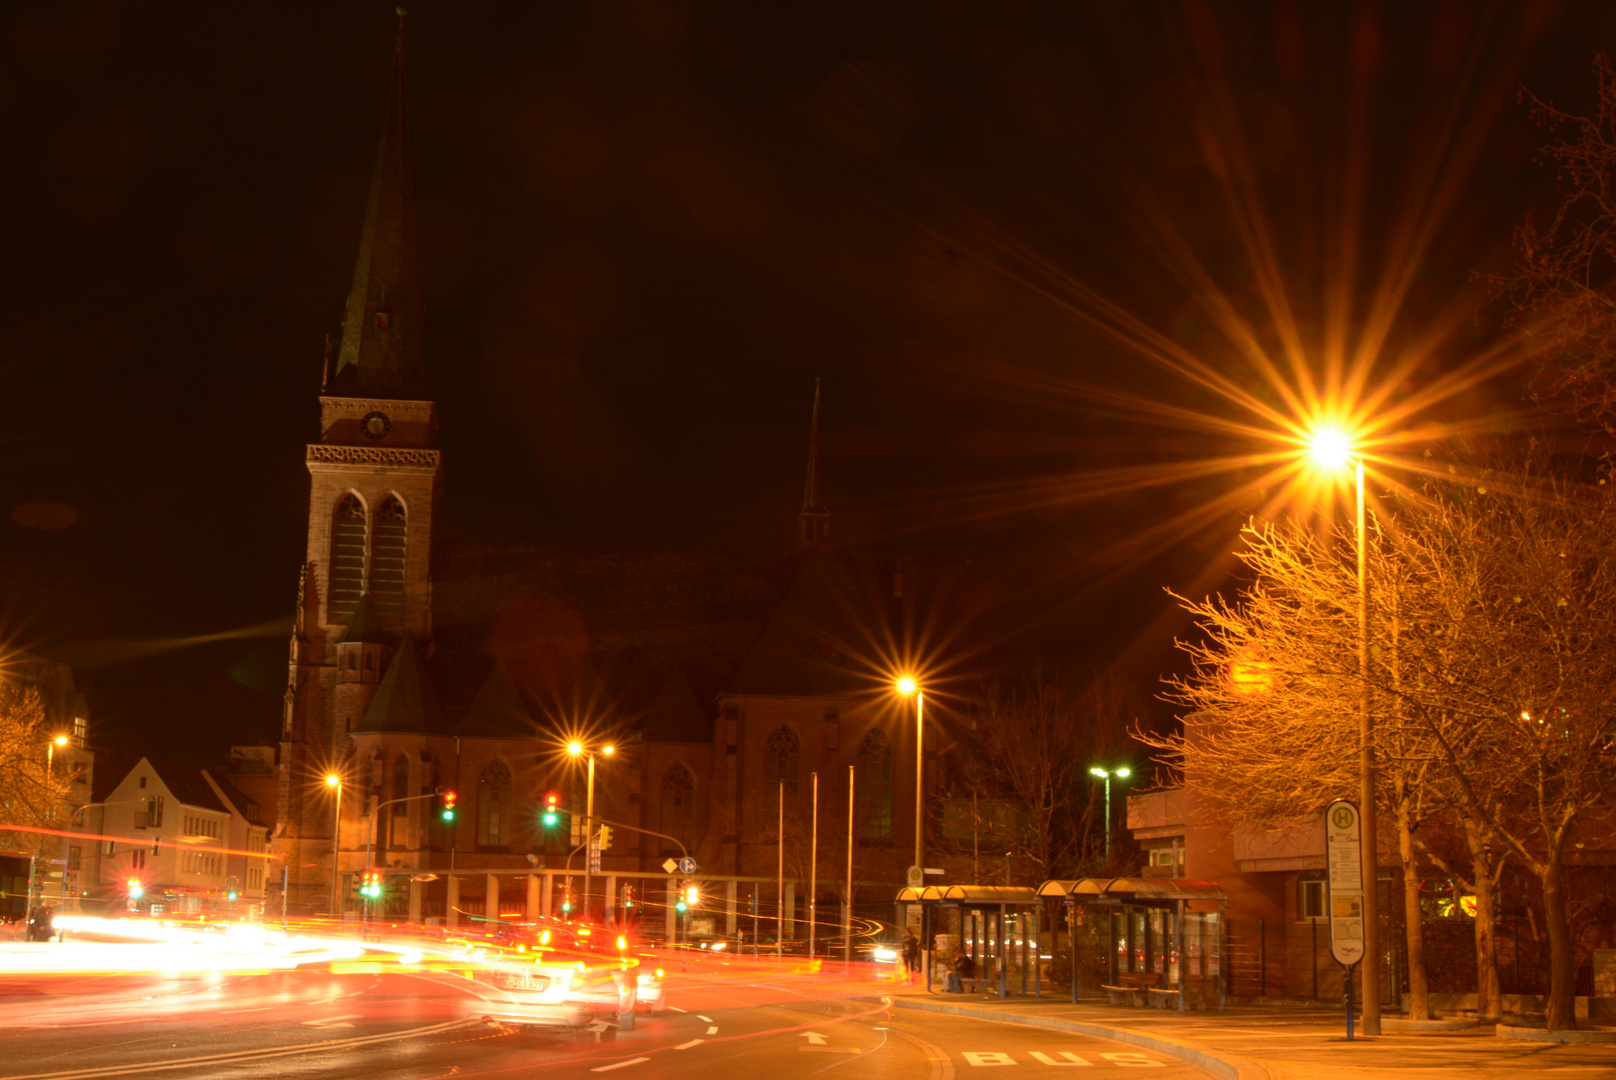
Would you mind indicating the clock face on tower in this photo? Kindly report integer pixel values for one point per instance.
(375, 425)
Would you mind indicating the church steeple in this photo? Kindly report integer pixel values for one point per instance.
(382, 353)
(813, 523)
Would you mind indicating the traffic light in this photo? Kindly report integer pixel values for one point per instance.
(372, 886)
(628, 896)
(231, 896)
(447, 809)
(552, 810)
(566, 901)
(136, 890)
(605, 837)
(692, 895)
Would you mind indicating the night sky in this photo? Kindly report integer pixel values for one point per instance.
(647, 226)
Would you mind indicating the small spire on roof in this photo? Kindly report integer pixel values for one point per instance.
(813, 523)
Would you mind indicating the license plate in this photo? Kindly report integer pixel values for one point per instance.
(522, 982)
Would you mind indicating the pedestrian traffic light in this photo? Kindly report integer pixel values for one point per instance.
(552, 809)
(447, 810)
(605, 837)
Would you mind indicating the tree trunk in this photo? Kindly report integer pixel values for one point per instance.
(1484, 877)
(1419, 990)
(1562, 1007)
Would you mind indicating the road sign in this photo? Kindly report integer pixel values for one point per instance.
(1343, 850)
(669, 865)
(917, 877)
(687, 865)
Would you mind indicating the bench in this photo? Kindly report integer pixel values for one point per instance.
(1136, 985)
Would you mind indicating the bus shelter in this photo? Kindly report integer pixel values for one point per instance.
(1166, 929)
(996, 925)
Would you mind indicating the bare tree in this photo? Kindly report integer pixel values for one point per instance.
(30, 794)
(1561, 293)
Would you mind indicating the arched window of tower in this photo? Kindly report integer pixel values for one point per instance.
(679, 803)
(387, 559)
(493, 806)
(780, 758)
(347, 556)
(873, 797)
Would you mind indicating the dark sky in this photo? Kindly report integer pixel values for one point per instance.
(647, 226)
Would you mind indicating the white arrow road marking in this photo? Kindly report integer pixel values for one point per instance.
(1071, 1058)
(688, 1045)
(334, 1021)
(814, 1038)
(618, 1064)
(706, 1018)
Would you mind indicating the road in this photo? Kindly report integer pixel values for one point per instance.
(361, 1020)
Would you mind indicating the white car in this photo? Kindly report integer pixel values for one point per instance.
(543, 993)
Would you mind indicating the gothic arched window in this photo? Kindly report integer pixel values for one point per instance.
(873, 797)
(780, 758)
(679, 803)
(493, 806)
(387, 559)
(347, 555)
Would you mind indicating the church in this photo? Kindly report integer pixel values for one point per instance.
(733, 689)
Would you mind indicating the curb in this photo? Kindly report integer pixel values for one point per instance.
(1226, 1066)
(1526, 1034)
(1410, 1027)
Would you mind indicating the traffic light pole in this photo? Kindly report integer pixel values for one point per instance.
(370, 852)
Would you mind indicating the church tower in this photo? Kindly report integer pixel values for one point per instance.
(375, 478)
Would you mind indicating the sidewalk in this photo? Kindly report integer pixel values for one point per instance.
(1249, 1042)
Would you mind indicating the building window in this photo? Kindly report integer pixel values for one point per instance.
(387, 559)
(347, 555)
(1310, 898)
(679, 803)
(493, 805)
(873, 796)
(137, 859)
(398, 835)
(154, 812)
(142, 783)
(780, 758)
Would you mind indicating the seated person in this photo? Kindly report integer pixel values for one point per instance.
(964, 968)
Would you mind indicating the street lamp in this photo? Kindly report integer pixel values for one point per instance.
(50, 770)
(1331, 448)
(334, 781)
(1121, 773)
(906, 685)
(578, 749)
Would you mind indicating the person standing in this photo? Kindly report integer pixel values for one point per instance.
(911, 951)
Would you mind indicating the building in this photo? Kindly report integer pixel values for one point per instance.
(724, 681)
(175, 841)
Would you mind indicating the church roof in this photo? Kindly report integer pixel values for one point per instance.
(383, 350)
(405, 702)
(811, 643)
(498, 711)
(364, 626)
(674, 714)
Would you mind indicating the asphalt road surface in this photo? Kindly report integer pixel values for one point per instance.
(398, 1025)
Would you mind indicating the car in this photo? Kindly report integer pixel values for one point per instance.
(543, 992)
(649, 991)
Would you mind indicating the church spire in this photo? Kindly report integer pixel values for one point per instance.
(813, 524)
(383, 346)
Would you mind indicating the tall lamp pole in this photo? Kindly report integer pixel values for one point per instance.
(1121, 773)
(578, 749)
(906, 687)
(332, 780)
(1334, 448)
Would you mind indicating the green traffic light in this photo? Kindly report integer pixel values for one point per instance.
(680, 906)
(448, 815)
(550, 818)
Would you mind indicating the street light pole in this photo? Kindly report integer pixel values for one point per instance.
(577, 749)
(1366, 792)
(1122, 774)
(332, 780)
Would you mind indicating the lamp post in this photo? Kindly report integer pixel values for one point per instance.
(33, 865)
(1121, 773)
(906, 686)
(334, 781)
(578, 749)
(1333, 448)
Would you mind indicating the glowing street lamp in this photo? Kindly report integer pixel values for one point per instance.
(1331, 448)
(906, 685)
(578, 749)
(334, 781)
(1121, 773)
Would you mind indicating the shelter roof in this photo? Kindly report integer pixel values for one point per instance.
(1133, 890)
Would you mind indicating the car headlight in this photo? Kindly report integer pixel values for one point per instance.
(886, 954)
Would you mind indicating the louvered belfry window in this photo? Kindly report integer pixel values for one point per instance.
(347, 555)
(387, 559)
(873, 797)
